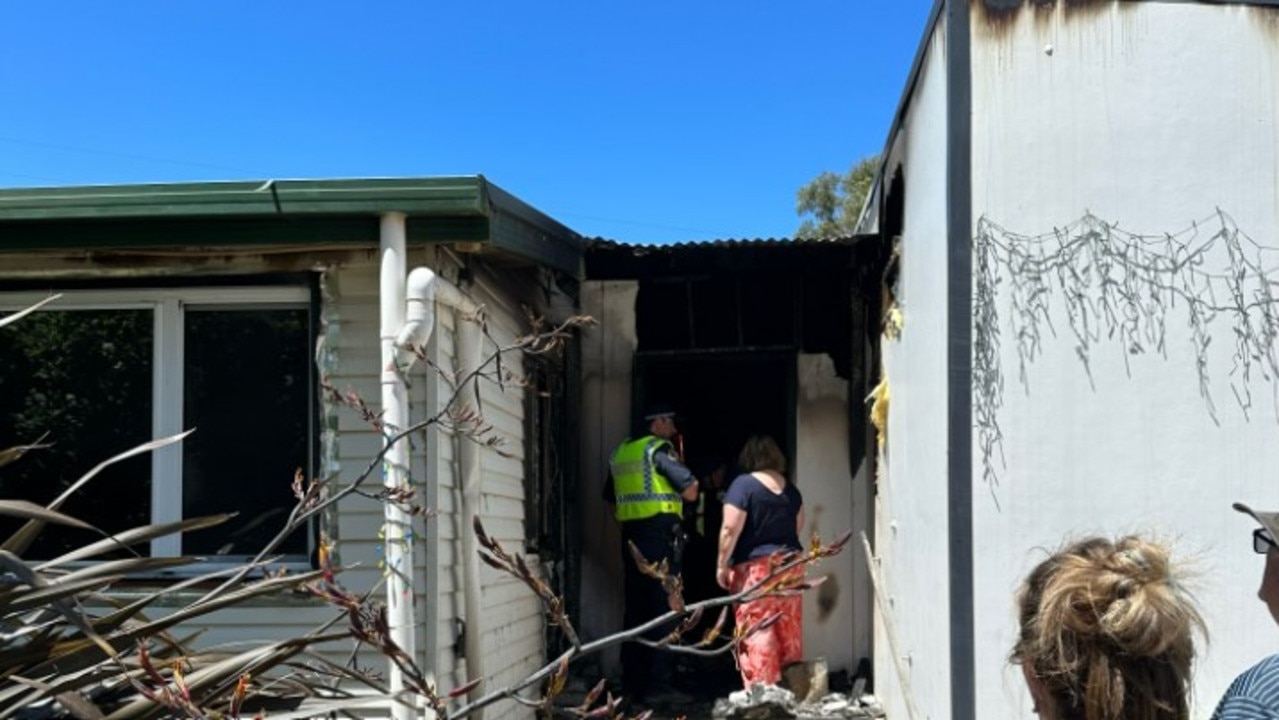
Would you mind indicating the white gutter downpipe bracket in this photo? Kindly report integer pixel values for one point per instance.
(398, 529)
(425, 289)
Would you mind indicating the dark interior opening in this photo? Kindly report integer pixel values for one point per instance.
(894, 217)
(720, 329)
(749, 311)
(721, 399)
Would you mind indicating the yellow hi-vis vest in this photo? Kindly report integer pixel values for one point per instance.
(639, 489)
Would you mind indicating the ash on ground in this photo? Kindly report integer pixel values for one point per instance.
(804, 693)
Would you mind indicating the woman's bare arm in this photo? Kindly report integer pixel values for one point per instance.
(734, 521)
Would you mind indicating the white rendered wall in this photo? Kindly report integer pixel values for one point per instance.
(837, 613)
(1151, 115)
(911, 515)
(607, 352)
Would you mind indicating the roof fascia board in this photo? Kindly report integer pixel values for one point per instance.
(445, 209)
(98, 202)
(912, 79)
(899, 117)
(510, 234)
(428, 196)
(266, 231)
(519, 228)
(499, 199)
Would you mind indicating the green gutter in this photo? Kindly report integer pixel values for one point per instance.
(272, 212)
(523, 230)
(438, 196)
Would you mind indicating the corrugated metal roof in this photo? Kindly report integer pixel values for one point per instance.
(613, 260)
(599, 243)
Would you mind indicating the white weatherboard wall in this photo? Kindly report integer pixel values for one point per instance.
(513, 628)
(355, 315)
(1151, 115)
(513, 625)
(911, 514)
(351, 306)
(351, 303)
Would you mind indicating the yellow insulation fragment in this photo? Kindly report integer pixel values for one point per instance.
(879, 409)
(893, 322)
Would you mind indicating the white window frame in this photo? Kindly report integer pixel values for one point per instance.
(168, 360)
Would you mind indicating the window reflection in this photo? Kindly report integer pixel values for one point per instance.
(247, 392)
(84, 378)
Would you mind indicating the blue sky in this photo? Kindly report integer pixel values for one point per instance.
(646, 122)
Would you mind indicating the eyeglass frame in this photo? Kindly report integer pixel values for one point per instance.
(1262, 543)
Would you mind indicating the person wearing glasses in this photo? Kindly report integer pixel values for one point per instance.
(1107, 631)
(1255, 693)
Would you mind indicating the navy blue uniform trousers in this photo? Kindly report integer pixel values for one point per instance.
(643, 667)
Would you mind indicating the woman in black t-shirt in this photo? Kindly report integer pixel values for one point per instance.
(763, 513)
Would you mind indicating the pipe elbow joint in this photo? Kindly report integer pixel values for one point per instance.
(419, 310)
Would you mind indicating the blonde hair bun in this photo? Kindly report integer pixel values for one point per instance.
(1101, 620)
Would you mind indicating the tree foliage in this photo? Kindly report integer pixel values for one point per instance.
(830, 203)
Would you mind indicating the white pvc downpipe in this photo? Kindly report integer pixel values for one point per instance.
(398, 541)
(425, 289)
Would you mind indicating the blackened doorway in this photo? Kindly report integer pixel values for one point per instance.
(722, 398)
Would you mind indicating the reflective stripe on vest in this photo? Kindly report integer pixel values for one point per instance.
(640, 490)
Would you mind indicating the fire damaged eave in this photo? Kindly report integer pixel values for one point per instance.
(613, 261)
(1014, 6)
(272, 213)
(996, 16)
(992, 18)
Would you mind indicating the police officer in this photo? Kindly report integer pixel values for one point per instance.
(646, 487)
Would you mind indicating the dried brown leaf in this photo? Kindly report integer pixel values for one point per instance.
(461, 690)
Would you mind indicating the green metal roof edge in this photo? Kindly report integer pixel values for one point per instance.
(282, 208)
(414, 196)
(519, 228)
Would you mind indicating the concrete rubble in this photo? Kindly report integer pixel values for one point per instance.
(769, 702)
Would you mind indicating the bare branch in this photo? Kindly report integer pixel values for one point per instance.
(813, 555)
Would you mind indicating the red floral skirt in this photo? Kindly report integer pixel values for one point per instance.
(762, 656)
